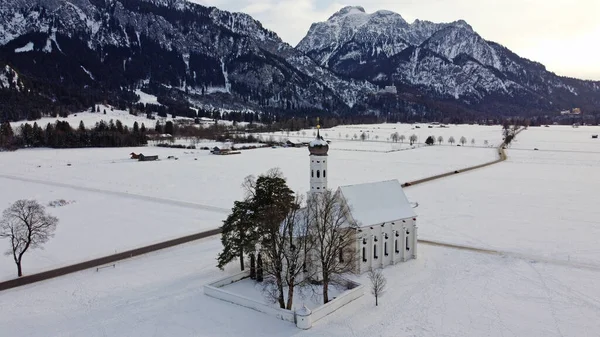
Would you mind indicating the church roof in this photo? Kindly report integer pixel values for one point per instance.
(375, 203)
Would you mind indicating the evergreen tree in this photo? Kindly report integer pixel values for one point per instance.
(158, 128)
(119, 126)
(238, 234)
(38, 136)
(142, 129)
(6, 135)
(169, 128)
(136, 128)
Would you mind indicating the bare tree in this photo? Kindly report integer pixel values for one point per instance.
(333, 237)
(402, 138)
(451, 140)
(363, 136)
(486, 143)
(395, 136)
(27, 225)
(413, 139)
(378, 283)
(284, 260)
(463, 140)
(472, 141)
(440, 140)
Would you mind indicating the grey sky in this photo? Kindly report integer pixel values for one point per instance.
(564, 35)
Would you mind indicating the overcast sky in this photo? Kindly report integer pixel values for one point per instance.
(564, 35)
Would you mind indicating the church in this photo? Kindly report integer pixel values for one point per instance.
(385, 220)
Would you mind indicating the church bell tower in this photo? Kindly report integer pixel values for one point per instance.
(318, 149)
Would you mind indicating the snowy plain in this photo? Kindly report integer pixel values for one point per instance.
(122, 204)
(445, 292)
(537, 209)
(538, 203)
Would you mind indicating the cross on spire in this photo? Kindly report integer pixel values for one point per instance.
(318, 128)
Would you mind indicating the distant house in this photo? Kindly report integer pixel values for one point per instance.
(141, 157)
(296, 143)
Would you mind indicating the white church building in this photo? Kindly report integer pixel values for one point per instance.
(385, 220)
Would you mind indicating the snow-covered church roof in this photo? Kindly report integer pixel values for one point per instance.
(379, 202)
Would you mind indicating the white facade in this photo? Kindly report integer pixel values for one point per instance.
(318, 173)
(385, 220)
(386, 244)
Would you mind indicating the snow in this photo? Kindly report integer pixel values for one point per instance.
(537, 210)
(378, 202)
(445, 292)
(537, 203)
(89, 73)
(146, 98)
(26, 48)
(91, 118)
(187, 195)
(100, 222)
(318, 142)
(309, 296)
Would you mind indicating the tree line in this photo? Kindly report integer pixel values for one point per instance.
(62, 135)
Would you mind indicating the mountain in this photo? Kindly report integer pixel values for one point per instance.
(61, 56)
(447, 62)
(79, 51)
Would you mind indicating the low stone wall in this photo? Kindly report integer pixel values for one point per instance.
(346, 297)
(215, 290)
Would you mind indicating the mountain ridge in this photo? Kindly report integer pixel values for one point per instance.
(77, 52)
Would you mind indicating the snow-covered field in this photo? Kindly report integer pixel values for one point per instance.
(89, 119)
(121, 203)
(560, 138)
(381, 134)
(538, 209)
(445, 292)
(98, 223)
(539, 203)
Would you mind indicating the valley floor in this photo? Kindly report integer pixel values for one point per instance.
(537, 210)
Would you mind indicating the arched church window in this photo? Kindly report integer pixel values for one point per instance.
(312, 173)
(374, 251)
(407, 247)
(385, 248)
(318, 174)
(364, 254)
(396, 245)
(324, 173)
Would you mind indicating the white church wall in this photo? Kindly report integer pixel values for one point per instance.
(396, 252)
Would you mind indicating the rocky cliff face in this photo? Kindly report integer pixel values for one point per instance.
(447, 61)
(113, 45)
(72, 53)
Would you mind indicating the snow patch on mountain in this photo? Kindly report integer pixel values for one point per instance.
(26, 48)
